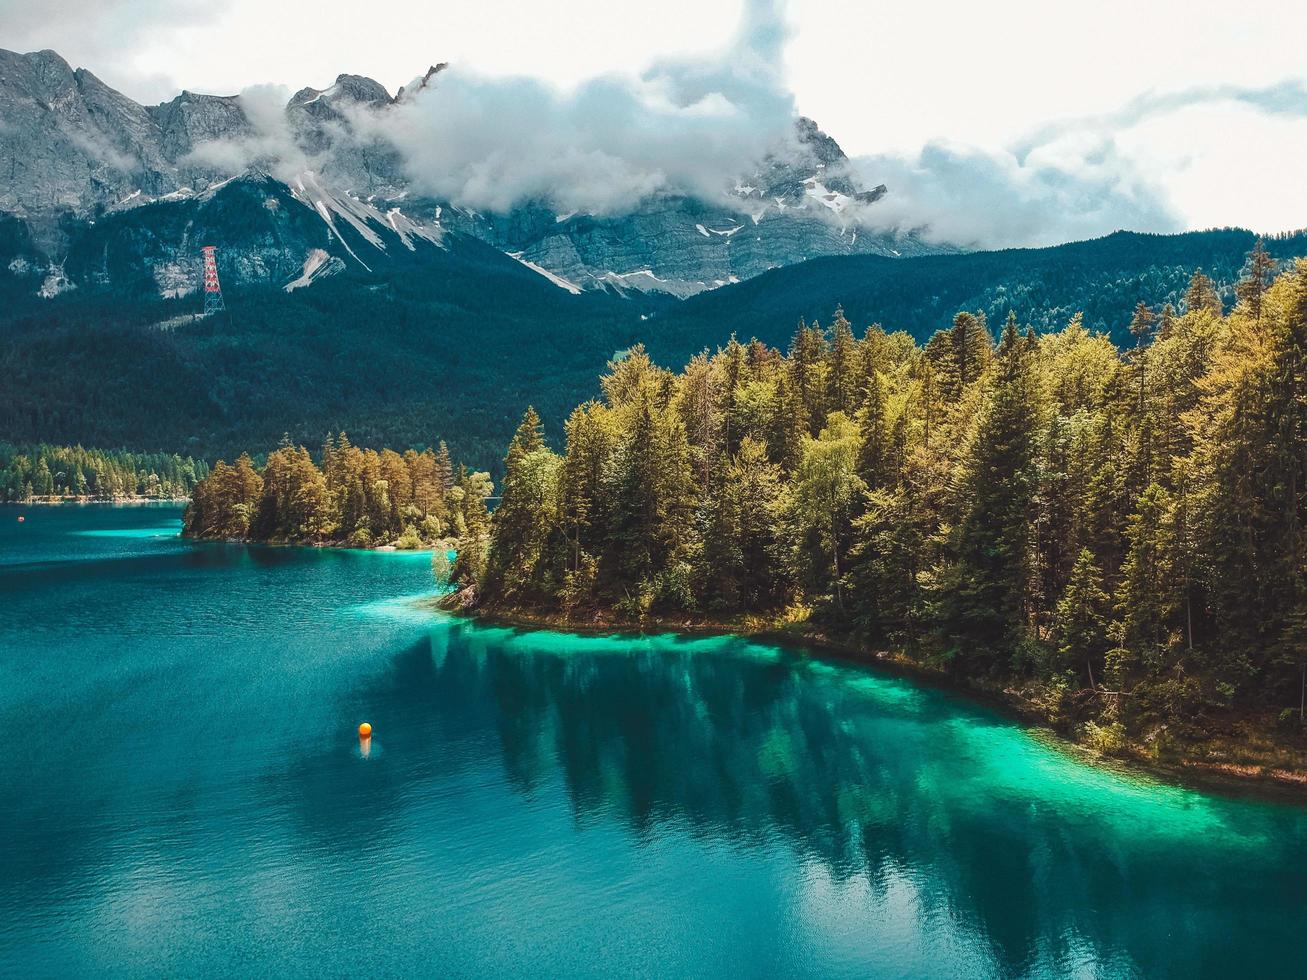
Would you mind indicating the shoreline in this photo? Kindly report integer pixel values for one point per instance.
(426, 548)
(1190, 766)
(81, 501)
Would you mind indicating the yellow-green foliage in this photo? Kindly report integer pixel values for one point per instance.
(1118, 528)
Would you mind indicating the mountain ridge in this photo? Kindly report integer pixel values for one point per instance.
(1101, 278)
(75, 151)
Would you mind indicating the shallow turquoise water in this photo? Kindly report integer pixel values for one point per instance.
(182, 792)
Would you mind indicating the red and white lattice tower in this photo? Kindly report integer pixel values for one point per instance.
(212, 291)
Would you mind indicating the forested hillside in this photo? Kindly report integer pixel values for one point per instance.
(451, 347)
(1102, 279)
(1120, 535)
(405, 361)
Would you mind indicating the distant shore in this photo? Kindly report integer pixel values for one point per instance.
(46, 501)
(1241, 762)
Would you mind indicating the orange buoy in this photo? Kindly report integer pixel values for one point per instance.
(365, 730)
(21, 518)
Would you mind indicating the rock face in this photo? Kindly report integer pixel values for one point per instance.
(267, 234)
(73, 151)
(321, 122)
(192, 120)
(799, 205)
(69, 142)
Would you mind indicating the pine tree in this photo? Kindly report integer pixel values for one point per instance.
(738, 564)
(706, 424)
(877, 453)
(1201, 295)
(651, 484)
(1166, 322)
(808, 370)
(1146, 598)
(885, 562)
(1082, 616)
(468, 498)
(983, 590)
(520, 559)
(844, 371)
(1259, 270)
(444, 469)
(1141, 328)
(961, 355)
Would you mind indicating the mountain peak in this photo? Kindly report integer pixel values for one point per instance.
(823, 146)
(37, 74)
(44, 57)
(74, 144)
(418, 84)
(350, 88)
(360, 88)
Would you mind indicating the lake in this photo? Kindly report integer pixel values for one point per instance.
(184, 793)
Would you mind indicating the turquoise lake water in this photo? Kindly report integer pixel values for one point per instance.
(182, 792)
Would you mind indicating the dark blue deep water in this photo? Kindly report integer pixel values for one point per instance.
(182, 792)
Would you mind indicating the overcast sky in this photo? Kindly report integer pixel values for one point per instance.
(1010, 121)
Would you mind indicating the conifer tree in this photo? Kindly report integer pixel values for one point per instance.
(444, 469)
(520, 557)
(1146, 597)
(844, 370)
(1082, 617)
(738, 565)
(808, 370)
(827, 493)
(1201, 295)
(982, 592)
(1259, 270)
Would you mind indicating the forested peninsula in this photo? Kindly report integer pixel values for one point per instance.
(1114, 539)
(356, 498)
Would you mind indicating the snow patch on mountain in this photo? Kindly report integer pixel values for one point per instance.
(557, 280)
(645, 281)
(816, 191)
(360, 215)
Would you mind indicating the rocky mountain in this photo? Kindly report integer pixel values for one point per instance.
(72, 147)
(77, 157)
(271, 234)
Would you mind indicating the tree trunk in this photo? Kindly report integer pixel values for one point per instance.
(839, 592)
(1189, 617)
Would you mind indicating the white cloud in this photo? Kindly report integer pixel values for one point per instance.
(1226, 163)
(1010, 122)
(973, 197)
(1199, 158)
(686, 124)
